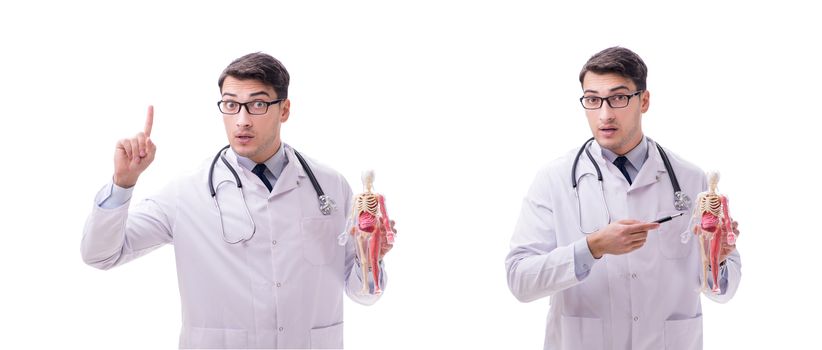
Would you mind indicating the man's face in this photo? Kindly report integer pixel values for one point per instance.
(256, 137)
(616, 129)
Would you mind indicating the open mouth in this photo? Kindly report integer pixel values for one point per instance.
(243, 139)
(608, 131)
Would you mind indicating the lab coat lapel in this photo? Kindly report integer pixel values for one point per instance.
(609, 171)
(652, 170)
(584, 165)
(223, 175)
(292, 176)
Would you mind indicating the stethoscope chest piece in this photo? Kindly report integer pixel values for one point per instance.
(327, 205)
(681, 201)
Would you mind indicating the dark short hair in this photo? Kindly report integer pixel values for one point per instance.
(617, 60)
(261, 67)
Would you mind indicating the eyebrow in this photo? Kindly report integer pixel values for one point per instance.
(258, 93)
(620, 87)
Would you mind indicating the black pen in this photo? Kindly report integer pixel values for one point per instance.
(668, 218)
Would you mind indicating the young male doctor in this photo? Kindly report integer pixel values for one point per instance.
(616, 279)
(258, 266)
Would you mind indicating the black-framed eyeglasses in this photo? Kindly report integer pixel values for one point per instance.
(614, 101)
(252, 107)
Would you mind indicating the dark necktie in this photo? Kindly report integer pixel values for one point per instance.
(259, 170)
(620, 164)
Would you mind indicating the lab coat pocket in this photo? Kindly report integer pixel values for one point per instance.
(581, 333)
(213, 338)
(683, 334)
(669, 235)
(328, 337)
(319, 239)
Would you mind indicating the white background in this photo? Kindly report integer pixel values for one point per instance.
(455, 105)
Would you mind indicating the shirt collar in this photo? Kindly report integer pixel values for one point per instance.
(275, 164)
(636, 156)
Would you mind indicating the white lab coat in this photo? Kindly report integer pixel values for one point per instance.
(281, 289)
(646, 299)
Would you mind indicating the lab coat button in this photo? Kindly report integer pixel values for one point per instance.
(636, 318)
(274, 242)
(633, 275)
(280, 329)
(279, 284)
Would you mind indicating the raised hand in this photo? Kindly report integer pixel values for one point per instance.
(133, 155)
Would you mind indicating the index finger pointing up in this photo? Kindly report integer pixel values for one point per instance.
(149, 121)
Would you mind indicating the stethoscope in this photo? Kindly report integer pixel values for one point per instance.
(327, 205)
(681, 200)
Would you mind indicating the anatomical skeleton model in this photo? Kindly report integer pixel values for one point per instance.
(711, 222)
(369, 225)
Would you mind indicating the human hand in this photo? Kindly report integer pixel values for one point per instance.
(133, 155)
(727, 249)
(623, 236)
(385, 247)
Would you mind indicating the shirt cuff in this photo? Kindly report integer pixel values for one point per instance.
(114, 196)
(583, 259)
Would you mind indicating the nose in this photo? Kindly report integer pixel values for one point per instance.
(243, 118)
(606, 113)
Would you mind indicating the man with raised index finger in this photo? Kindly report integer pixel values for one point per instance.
(254, 229)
